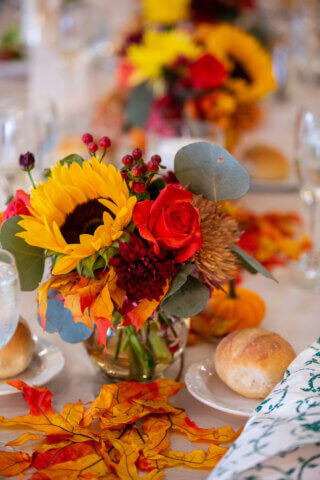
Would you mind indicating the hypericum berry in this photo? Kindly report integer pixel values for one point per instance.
(157, 158)
(105, 142)
(137, 153)
(124, 175)
(92, 147)
(127, 160)
(153, 165)
(139, 187)
(139, 169)
(87, 138)
(26, 161)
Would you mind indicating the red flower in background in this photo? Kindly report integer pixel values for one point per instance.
(207, 72)
(18, 206)
(141, 272)
(170, 222)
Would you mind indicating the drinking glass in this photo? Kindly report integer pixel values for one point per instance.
(307, 143)
(24, 126)
(9, 302)
(168, 137)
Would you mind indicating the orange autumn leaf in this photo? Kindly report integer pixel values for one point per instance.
(197, 459)
(13, 463)
(42, 417)
(223, 435)
(103, 441)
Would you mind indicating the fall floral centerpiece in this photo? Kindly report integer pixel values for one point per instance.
(131, 255)
(198, 81)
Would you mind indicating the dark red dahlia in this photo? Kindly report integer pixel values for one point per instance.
(141, 272)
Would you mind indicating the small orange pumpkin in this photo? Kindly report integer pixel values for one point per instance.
(226, 313)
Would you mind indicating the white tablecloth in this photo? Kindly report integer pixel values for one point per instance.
(291, 312)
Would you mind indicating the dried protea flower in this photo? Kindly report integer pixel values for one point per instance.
(215, 260)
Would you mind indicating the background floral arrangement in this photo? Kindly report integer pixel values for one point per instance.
(125, 246)
(173, 12)
(217, 73)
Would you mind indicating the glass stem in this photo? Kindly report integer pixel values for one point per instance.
(314, 230)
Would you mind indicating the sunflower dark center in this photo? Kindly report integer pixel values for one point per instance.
(239, 71)
(85, 218)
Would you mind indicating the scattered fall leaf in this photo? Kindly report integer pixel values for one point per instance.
(124, 431)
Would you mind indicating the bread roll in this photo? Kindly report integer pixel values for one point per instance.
(17, 354)
(266, 163)
(252, 361)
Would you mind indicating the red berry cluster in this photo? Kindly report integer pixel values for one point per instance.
(92, 146)
(139, 172)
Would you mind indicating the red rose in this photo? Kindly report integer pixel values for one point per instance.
(18, 206)
(170, 222)
(207, 72)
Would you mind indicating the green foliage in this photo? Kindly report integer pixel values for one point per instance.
(139, 105)
(29, 260)
(188, 300)
(250, 264)
(211, 171)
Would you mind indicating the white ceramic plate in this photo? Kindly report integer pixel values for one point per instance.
(47, 362)
(204, 384)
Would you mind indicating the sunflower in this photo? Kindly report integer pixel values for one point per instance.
(80, 210)
(159, 50)
(166, 12)
(248, 63)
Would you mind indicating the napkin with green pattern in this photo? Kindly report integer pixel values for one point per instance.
(281, 440)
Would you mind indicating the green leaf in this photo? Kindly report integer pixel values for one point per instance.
(139, 105)
(189, 300)
(251, 264)
(211, 171)
(69, 159)
(155, 187)
(29, 260)
(180, 278)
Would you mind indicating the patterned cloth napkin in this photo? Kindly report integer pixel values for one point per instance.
(281, 440)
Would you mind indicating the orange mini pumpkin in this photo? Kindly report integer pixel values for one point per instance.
(226, 313)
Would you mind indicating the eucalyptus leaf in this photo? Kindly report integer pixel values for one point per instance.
(251, 264)
(188, 300)
(211, 171)
(60, 319)
(29, 260)
(179, 279)
(139, 105)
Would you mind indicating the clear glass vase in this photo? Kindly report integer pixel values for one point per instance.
(141, 356)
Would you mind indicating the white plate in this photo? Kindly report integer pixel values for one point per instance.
(204, 384)
(47, 362)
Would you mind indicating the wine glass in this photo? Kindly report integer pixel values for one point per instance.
(9, 292)
(24, 125)
(307, 143)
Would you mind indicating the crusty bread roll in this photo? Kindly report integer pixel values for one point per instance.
(264, 162)
(17, 354)
(251, 361)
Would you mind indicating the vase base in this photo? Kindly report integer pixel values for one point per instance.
(173, 372)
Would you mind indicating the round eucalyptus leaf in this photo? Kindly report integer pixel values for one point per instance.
(211, 171)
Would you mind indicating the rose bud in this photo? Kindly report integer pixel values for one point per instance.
(26, 161)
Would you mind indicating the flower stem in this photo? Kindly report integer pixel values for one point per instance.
(31, 179)
(116, 356)
(232, 289)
